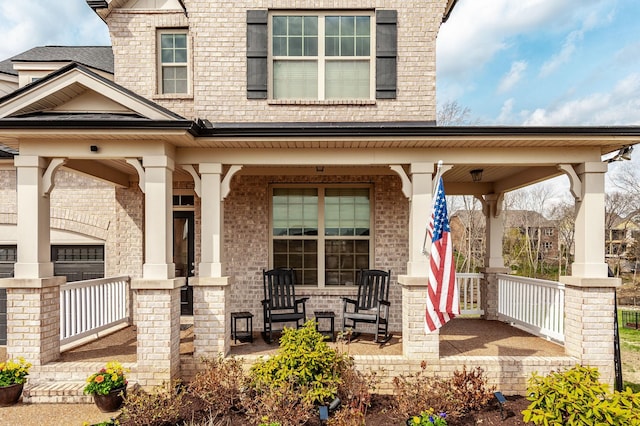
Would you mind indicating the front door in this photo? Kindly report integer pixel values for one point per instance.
(183, 248)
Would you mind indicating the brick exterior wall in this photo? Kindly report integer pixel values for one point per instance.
(246, 224)
(218, 46)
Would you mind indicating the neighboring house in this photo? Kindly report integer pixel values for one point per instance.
(531, 228)
(621, 237)
(234, 137)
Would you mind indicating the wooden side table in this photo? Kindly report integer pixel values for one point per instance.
(247, 334)
(330, 315)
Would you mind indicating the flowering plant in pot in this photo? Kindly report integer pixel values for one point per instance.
(13, 374)
(14, 371)
(108, 386)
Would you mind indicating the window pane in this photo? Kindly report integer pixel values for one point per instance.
(310, 25)
(180, 41)
(363, 25)
(347, 26)
(363, 47)
(295, 46)
(347, 80)
(279, 25)
(295, 211)
(347, 47)
(342, 262)
(180, 56)
(332, 25)
(340, 210)
(166, 41)
(310, 46)
(295, 80)
(295, 25)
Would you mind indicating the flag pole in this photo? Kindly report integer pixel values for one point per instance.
(433, 194)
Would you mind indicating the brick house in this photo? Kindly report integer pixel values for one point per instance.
(265, 134)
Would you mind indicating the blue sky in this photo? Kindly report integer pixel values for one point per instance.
(543, 62)
(511, 62)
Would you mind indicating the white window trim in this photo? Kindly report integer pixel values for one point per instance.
(321, 57)
(160, 65)
(320, 238)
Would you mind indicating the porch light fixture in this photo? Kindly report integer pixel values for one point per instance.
(476, 175)
(94, 148)
(623, 154)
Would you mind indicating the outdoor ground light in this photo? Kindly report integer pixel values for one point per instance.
(324, 410)
(501, 400)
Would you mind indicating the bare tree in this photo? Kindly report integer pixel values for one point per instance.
(451, 113)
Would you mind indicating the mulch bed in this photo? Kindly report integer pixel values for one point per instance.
(380, 415)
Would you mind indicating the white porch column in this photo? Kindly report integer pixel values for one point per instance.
(211, 290)
(33, 295)
(420, 211)
(416, 343)
(34, 229)
(158, 218)
(494, 260)
(211, 221)
(589, 223)
(157, 313)
(589, 293)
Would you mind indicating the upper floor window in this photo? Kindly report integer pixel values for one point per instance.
(321, 56)
(173, 57)
(316, 56)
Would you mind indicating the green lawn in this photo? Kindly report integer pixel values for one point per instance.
(629, 342)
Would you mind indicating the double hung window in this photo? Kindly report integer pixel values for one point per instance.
(173, 53)
(322, 56)
(323, 233)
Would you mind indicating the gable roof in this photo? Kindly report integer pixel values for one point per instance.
(97, 57)
(43, 98)
(6, 67)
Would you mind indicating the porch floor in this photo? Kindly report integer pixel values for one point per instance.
(466, 337)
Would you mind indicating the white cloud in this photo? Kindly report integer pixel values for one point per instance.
(562, 57)
(618, 107)
(479, 30)
(29, 23)
(513, 76)
(506, 112)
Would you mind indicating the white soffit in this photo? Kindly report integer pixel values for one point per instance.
(153, 5)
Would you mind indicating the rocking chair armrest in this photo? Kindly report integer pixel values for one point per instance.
(347, 300)
(384, 302)
(265, 302)
(302, 300)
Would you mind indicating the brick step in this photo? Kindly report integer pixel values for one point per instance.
(70, 371)
(56, 393)
(67, 392)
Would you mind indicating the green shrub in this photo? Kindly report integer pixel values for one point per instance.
(305, 360)
(576, 397)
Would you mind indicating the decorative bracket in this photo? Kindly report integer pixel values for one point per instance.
(197, 182)
(574, 180)
(407, 186)
(444, 168)
(47, 177)
(225, 186)
(492, 204)
(137, 164)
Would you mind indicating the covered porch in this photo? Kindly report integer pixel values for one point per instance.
(233, 173)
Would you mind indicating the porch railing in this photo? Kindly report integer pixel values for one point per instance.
(533, 304)
(469, 286)
(91, 306)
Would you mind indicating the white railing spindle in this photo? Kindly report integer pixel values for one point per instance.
(533, 304)
(469, 287)
(88, 307)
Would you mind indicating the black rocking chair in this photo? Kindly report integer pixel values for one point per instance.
(372, 305)
(280, 303)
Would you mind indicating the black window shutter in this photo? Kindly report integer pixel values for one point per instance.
(386, 53)
(257, 39)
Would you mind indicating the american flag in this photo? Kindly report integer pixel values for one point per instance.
(443, 300)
